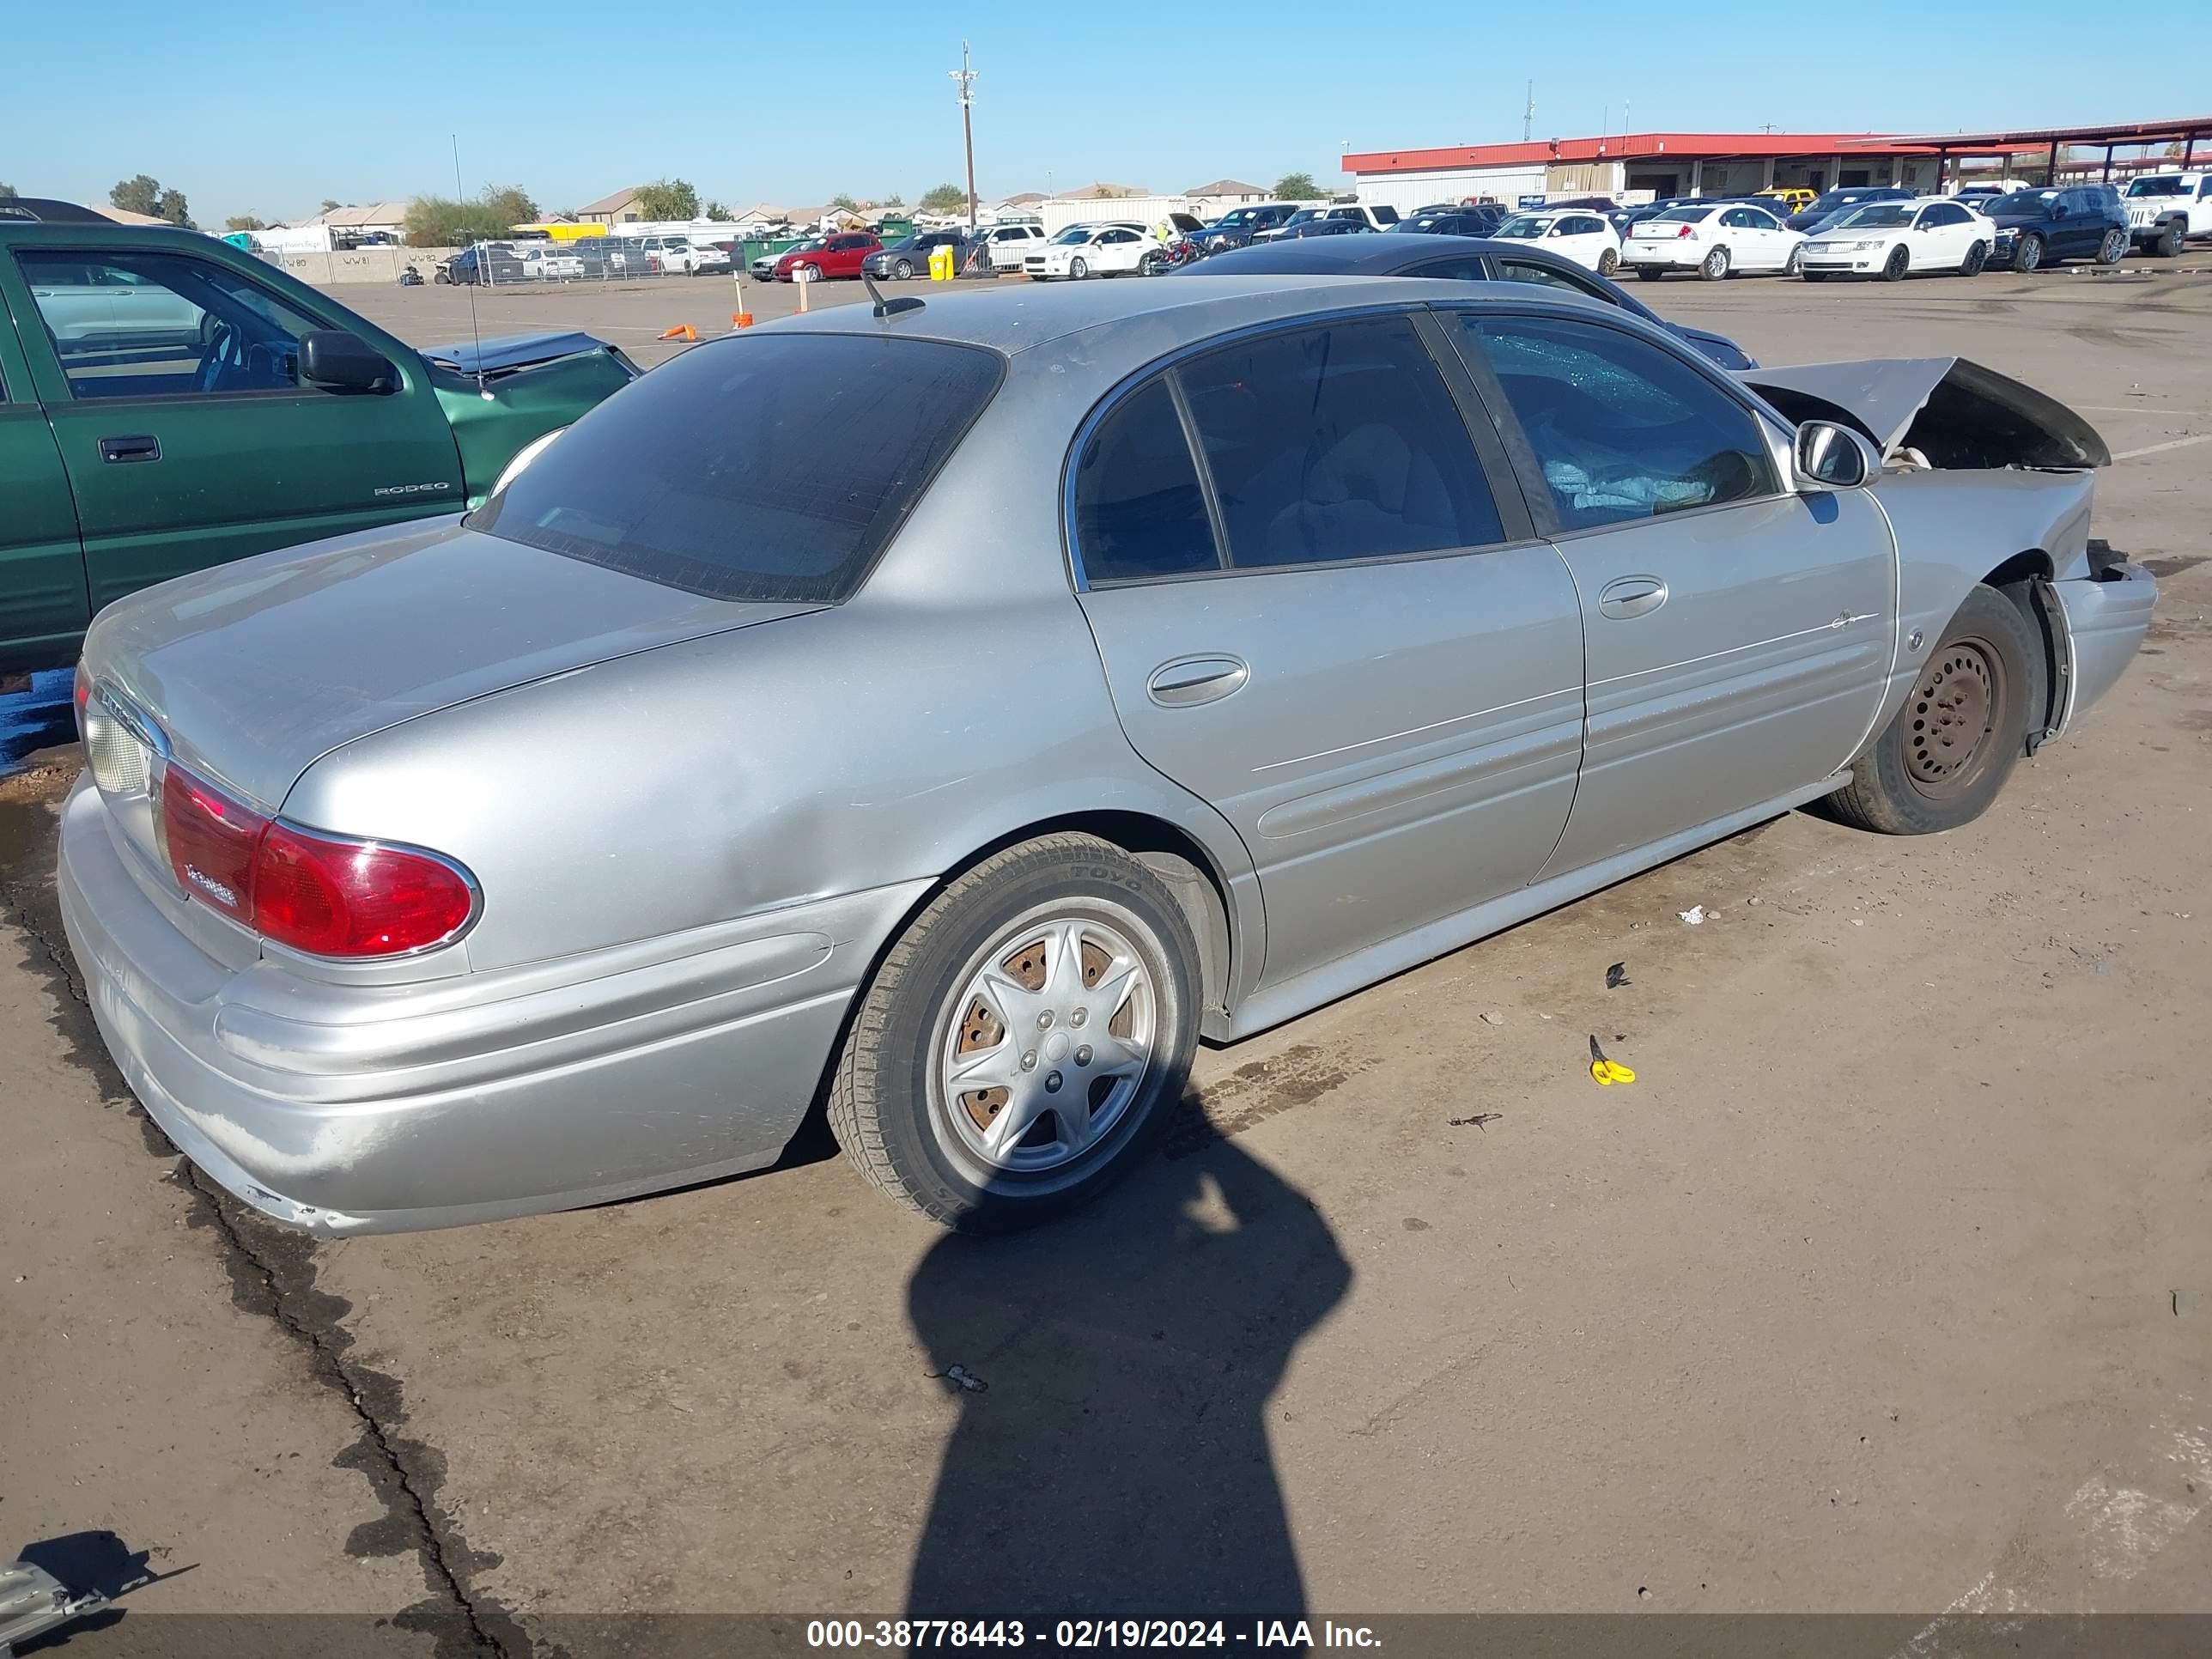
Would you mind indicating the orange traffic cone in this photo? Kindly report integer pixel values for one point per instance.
(740, 320)
(681, 331)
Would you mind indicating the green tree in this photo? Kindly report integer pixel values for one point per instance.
(244, 222)
(844, 199)
(329, 204)
(720, 213)
(667, 199)
(140, 195)
(511, 202)
(1297, 187)
(442, 222)
(894, 200)
(171, 206)
(944, 198)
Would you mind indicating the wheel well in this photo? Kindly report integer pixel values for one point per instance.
(2016, 579)
(1171, 855)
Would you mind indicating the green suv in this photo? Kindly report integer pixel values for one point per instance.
(169, 402)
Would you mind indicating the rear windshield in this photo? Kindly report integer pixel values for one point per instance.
(771, 468)
(1685, 216)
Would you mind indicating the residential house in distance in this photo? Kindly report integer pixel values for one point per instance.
(1223, 194)
(619, 209)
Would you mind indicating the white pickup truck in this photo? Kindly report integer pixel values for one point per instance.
(2166, 210)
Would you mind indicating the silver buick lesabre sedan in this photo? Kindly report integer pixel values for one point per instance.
(954, 711)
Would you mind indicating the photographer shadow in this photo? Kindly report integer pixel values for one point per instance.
(1112, 1373)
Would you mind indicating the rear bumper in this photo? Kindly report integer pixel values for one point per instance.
(2105, 620)
(346, 1108)
(1664, 256)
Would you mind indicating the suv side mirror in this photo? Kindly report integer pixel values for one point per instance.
(1830, 457)
(333, 357)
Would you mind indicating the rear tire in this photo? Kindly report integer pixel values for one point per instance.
(1946, 753)
(1716, 265)
(1895, 267)
(1043, 923)
(1608, 263)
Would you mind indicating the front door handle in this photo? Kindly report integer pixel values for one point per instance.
(1190, 680)
(1632, 596)
(137, 446)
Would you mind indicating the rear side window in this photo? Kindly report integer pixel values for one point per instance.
(1622, 428)
(1338, 442)
(1140, 513)
(774, 468)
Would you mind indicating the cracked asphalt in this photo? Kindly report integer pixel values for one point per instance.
(1887, 1287)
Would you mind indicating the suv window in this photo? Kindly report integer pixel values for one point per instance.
(156, 325)
(1139, 511)
(681, 486)
(1622, 428)
(1337, 442)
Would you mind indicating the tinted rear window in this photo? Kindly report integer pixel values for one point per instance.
(774, 468)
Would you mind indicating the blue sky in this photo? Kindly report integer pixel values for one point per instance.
(250, 106)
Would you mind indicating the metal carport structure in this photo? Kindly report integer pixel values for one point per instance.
(2187, 130)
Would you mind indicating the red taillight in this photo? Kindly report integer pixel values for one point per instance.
(210, 840)
(1686, 230)
(81, 691)
(314, 893)
(342, 898)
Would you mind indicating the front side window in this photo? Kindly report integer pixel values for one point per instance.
(1622, 429)
(1139, 511)
(160, 325)
(771, 468)
(1337, 442)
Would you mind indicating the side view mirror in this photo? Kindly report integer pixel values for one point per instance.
(333, 357)
(1830, 457)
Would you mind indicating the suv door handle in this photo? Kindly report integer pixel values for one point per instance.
(136, 447)
(1190, 680)
(1632, 596)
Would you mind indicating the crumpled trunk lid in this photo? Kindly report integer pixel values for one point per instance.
(1957, 414)
(253, 670)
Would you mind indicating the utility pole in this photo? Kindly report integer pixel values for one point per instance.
(966, 77)
(1528, 115)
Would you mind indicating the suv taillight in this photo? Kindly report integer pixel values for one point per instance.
(321, 894)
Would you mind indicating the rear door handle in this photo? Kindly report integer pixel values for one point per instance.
(136, 447)
(1190, 680)
(1632, 596)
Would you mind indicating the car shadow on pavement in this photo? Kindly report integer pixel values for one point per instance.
(88, 1564)
(1112, 1373)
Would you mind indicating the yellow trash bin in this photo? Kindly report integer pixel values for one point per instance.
(940, 263)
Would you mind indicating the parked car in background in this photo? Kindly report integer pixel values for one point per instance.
(1304, 216)
(1831, 203)
(1464, 600)
(1582, 234)
(1594, 204)
(169, 402)
(1010, 244)
(1714, 239)
(1784, 200)
(715, 259)
(2166, 210)
(2037, 228)
(1237, 226)
(909, 258)
(1890, 239)
(1108, 250)
(1367, 216)
(544, 261)
(1452, 222)
(1458, 260)
(1325, 227)
(669, 253)
(839, 255)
